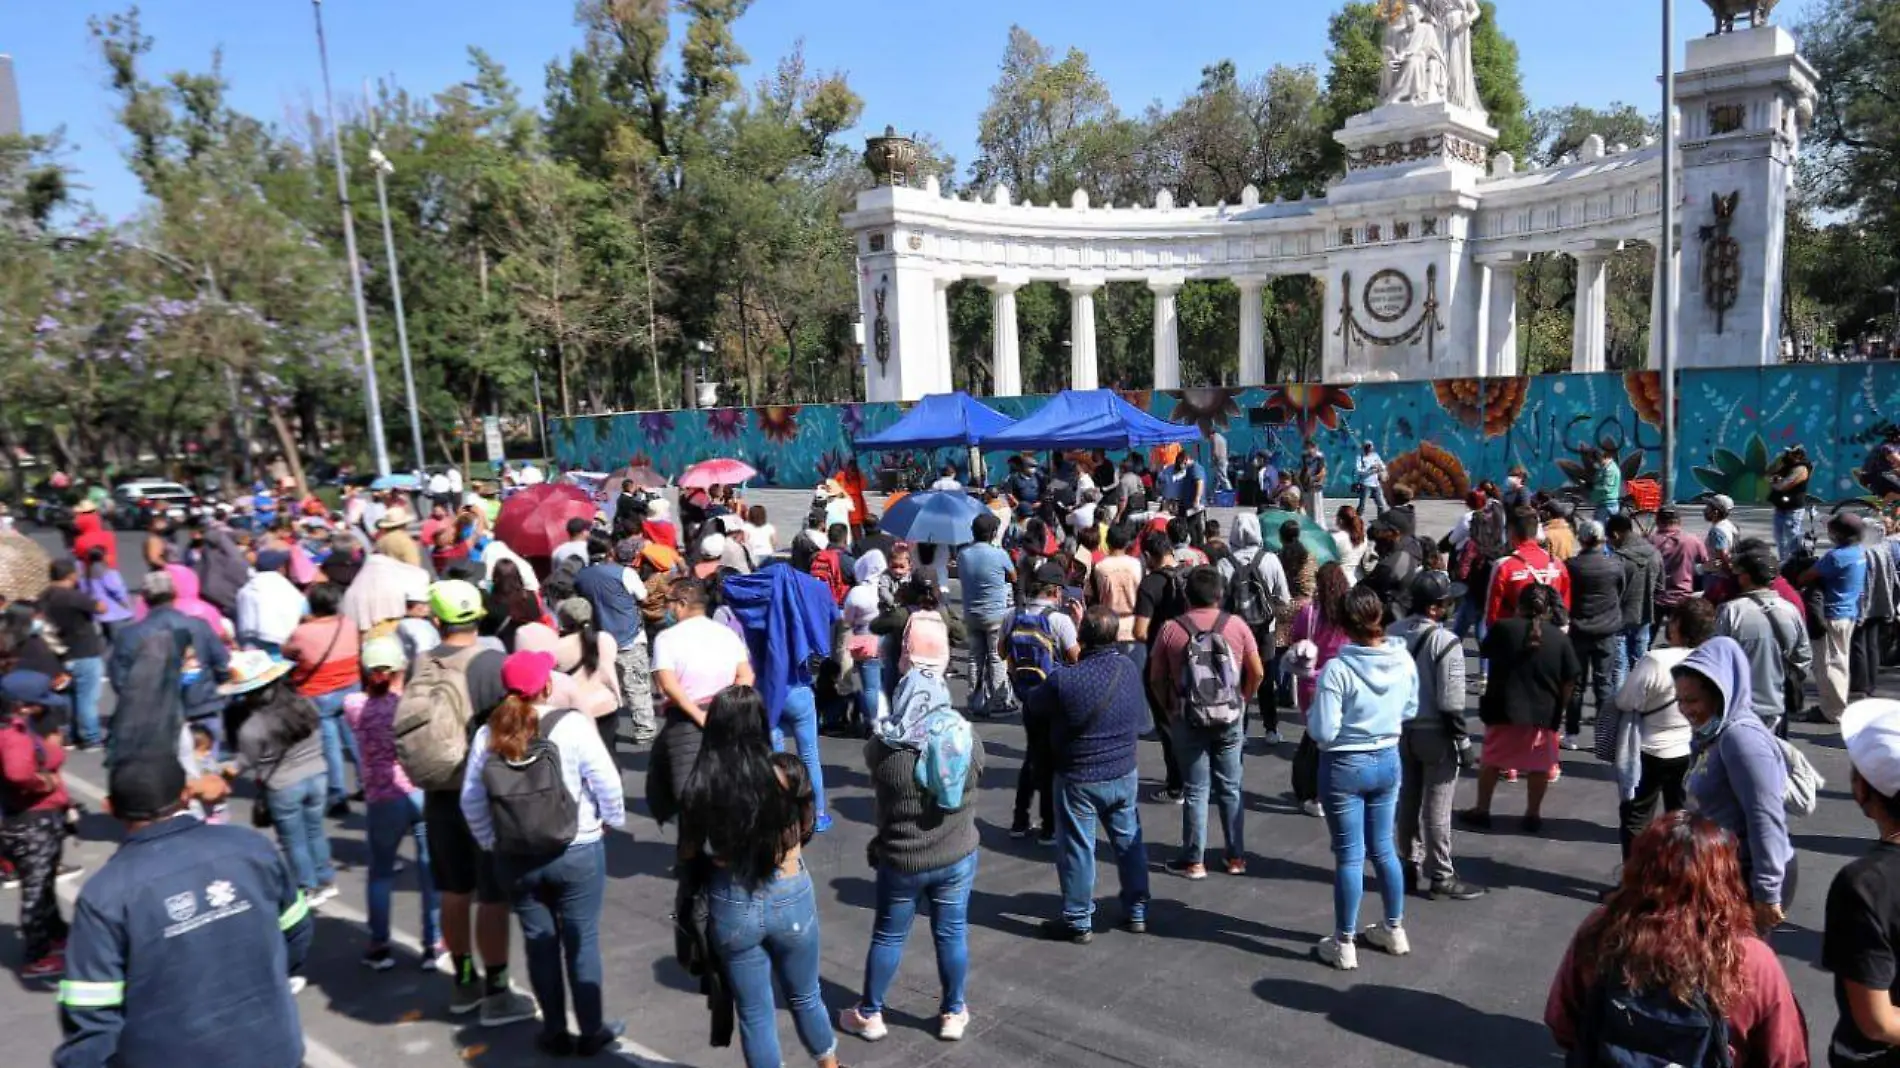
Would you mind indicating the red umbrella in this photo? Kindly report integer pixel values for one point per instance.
(534, 520)
(722, 472)
(642, 477)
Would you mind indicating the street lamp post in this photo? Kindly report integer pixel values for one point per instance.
(371, 398)
(380, 164)
(1666, 290)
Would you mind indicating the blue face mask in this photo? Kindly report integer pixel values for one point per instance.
(670, 618)
(1709, 730)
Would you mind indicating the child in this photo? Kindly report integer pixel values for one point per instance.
(395, 805)
(204, 755)
(34, 831)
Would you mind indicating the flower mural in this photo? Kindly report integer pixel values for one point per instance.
(1743, 475)
(1581, 472)
(1308, 406)
(1140, 398)
(779, 422)
(1431, 471)
(1644, 389)
(725, 424)
(1209, 409)
(656, 426)
(851, 419)
(1489, 405)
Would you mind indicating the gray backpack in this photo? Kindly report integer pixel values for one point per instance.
(528, 802)
(1210, 677)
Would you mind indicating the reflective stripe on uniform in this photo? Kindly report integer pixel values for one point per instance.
(83, 995)
(298, 911)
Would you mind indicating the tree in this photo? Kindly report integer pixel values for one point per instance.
(1048, 124)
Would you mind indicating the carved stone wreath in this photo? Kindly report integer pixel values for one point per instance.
(1428, 326)
(1394, 153)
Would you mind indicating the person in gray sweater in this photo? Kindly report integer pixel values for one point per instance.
(1434, 743)
(925, 856)
(1771, 632)
(1738, 776)
(280, 747)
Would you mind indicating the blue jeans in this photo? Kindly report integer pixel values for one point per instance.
(338, 740)
(1606, 509)
(1209, 753)
(898, 896)
(773, 931)
(389, 823)
(1361, 795)
(1633, 644)
(557, 902)
(1078, 806)
(870, 690)
(1374, 492)
(89, 673)
(1787, 532)
(798, 725)
(297, 810)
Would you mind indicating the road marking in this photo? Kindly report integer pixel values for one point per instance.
(317, 1054)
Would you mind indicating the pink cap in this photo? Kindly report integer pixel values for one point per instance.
(526, 673)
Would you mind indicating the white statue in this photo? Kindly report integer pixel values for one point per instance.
(1457, 17)
(1414, 57)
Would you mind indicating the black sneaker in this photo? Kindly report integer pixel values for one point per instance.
(1019, 827)
(1045, 836)
(604, 1039)
(1134, 925)
(1064, 931)
(379, 959)
(1533, 824)
(1165, 796)
(556, 1044)
(1471, 817)
(1453, 890)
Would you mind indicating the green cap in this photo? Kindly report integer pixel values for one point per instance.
(455, 602)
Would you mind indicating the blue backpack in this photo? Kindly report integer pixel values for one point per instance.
(1032, 649)
(1649, 1029)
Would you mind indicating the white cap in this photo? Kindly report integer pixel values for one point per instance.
(712, 546)
(1871, 729)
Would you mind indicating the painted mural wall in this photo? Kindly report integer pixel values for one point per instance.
(1441, 436)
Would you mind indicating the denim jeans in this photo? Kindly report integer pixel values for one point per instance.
(1787, 532)
(870, 691)
(1360, 791)
(1210, 753)
(557, 902)
(339, 742)
(1634, 646)
(990, 693)
(1597, 653)
(947, 889)
(1606, 509)
(389, 822)
(297, 810)
(89, 673)
(798, 725)
(1374, 492)
(773, 931)
(1078, 806)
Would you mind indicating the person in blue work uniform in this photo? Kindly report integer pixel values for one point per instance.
(183, 945)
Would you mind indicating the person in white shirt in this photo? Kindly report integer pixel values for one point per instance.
(269, 607)
(454, 475)
(574, 548)
(947, 481)
(761, 537)
(1649, 692)
(530, 474)
(439, 490)
(695, 658)
(1368, 477)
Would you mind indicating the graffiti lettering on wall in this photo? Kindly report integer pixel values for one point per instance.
(1442, 436)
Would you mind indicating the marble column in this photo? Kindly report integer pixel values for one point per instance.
(1083, 370)
(1006, 378)
(1661, 318)
(945, 376)
(1167, 328)
(1497, 351)
(1253, 331)
(1332, 339)
(1591, 335)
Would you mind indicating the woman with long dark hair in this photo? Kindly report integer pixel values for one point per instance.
(1349, 534)
(747, 812)
(511, 604)
(1364, 696)
(1533, 670)
(556, 888)
(1677, 933)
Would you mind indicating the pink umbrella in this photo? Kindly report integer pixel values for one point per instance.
(534, 520)
(721, 472)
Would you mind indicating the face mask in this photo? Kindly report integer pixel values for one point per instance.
(39, 625)
(1709, 730)
(670, 618)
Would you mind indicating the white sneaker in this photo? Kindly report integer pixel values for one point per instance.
(321, 895)
(1570, 743)
(1390, 939)
(1341, 955)
(869, 1028)
(950, 1026)
(1311, 808)
(1273, 738)
(297, 983)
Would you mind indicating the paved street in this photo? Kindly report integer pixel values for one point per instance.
(1225, 977)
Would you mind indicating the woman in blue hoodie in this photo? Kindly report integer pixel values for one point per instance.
(1737, 775)
(1364, 696)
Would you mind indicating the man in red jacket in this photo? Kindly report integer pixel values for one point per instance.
(33, 803)
(1527, 564)
(91, 533)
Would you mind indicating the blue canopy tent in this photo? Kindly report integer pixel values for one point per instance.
(937, 421)
(1089, 419)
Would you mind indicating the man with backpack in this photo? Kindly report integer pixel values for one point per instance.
(1159, 600)
(150, 657)
(1205, 667)
(834, 566)
(1434, 743)
(1772, 634)
(987, 576)
(448, 697)
(1639, 596)
(1258, 595)
(1037, 637)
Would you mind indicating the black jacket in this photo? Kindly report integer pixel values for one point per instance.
(1597, 583)
(1645, 582)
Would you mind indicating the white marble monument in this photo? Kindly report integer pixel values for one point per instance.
(1418, 244)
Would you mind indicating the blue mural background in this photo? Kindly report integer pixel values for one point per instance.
(1442, 436)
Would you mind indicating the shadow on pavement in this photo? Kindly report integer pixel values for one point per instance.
(1429, 1025)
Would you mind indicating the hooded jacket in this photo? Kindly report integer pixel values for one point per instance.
(91, 534)
(1773, 638)
(1646, 577)
(222, 571)
(1364, 697)
(1738, 776)
(1597, 584)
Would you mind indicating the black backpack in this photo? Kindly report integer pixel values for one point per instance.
(533, 814)
(1648, 1029)
(1247, 598)
(1173, 602)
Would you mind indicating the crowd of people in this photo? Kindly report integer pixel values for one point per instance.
(473, 700)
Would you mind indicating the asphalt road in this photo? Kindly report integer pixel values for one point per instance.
(1225, 978)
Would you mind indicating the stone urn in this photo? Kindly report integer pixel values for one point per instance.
(891, 157)
(1727, 12)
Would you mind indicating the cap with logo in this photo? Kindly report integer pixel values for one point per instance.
(455, 602)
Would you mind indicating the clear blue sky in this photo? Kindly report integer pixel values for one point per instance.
(919, 66)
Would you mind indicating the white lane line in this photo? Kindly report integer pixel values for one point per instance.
(642, 1056)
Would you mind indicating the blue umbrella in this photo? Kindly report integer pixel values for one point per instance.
(940, 518)
(396, 482)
